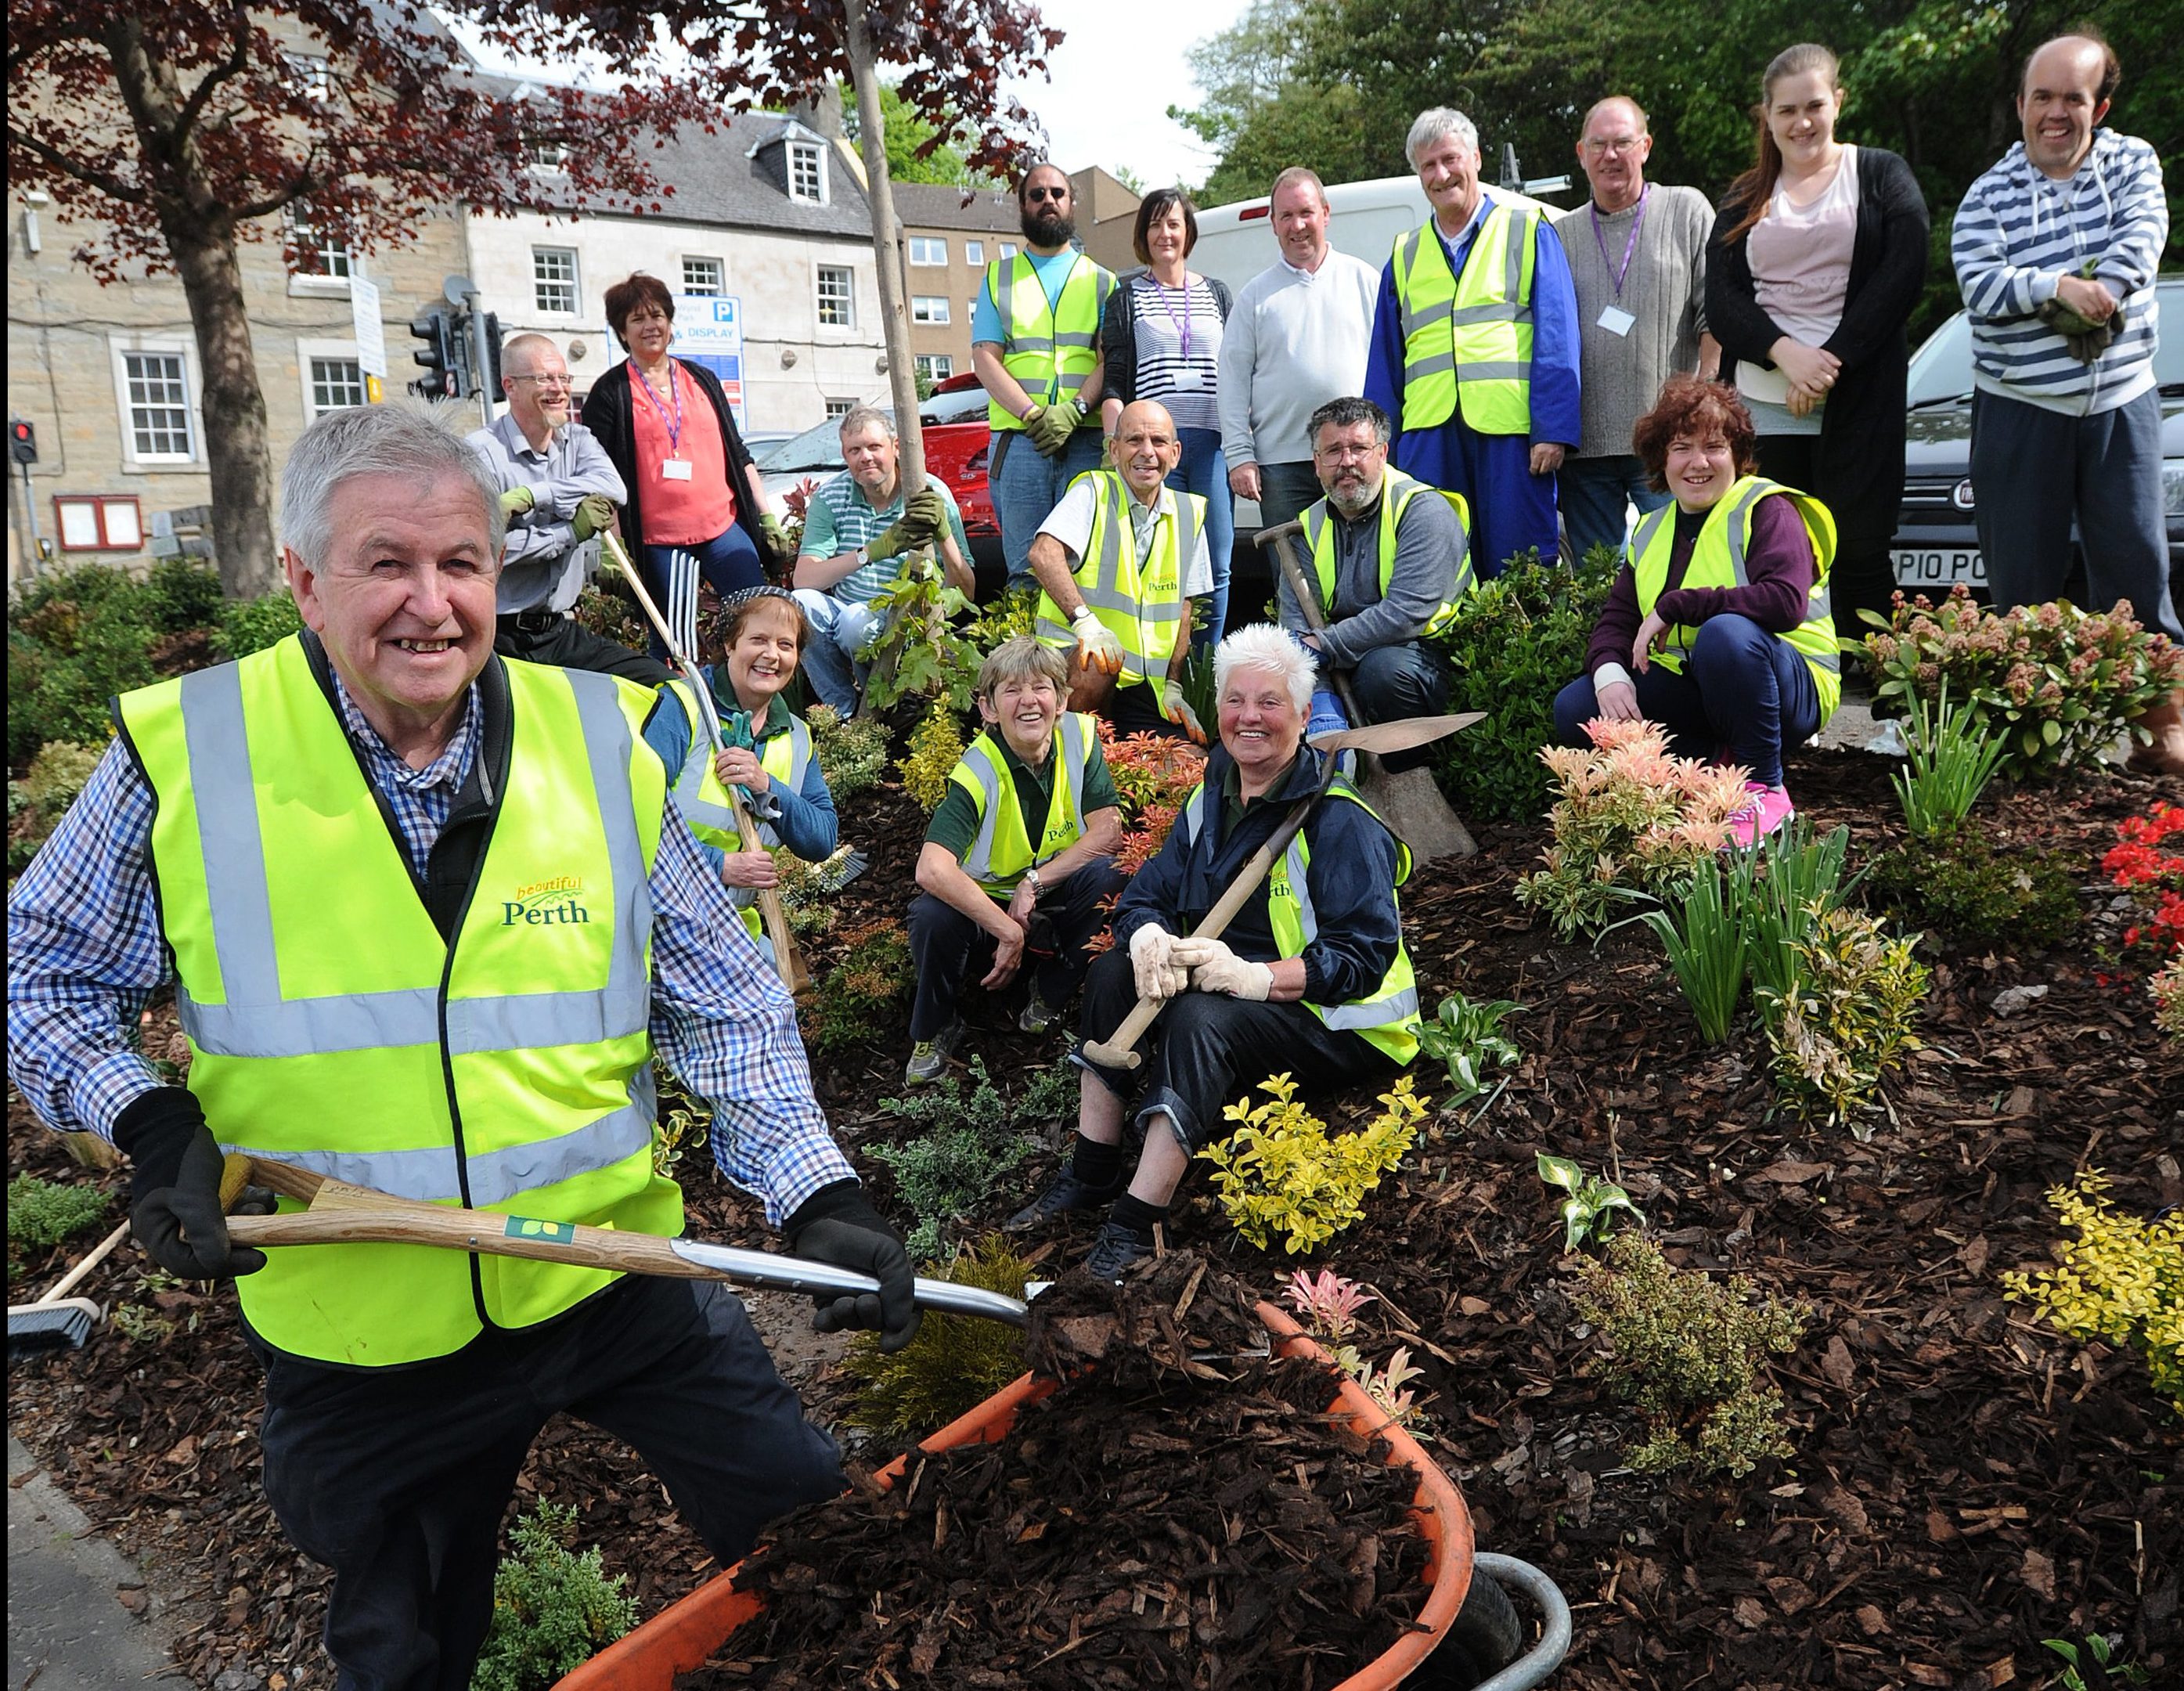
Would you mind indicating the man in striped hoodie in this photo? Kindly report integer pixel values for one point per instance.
(2056, 249)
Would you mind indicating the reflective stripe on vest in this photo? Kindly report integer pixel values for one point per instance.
(1467, 340)
(1144, 608)
(1387, 1018)
(1718, 560)
(332, 1026)
(702, 795)
(1050, 347)
(1397, 490)
(1003, 848)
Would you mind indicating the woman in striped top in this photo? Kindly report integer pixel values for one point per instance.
(1160, 339)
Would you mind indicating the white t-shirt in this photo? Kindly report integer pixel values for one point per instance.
(1070, 523)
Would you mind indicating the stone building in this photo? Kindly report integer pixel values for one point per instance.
(948, 244)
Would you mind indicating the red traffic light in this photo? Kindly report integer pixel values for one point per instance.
(22, 441)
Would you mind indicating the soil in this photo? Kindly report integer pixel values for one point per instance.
(1966, 1482)
(1260, 1548)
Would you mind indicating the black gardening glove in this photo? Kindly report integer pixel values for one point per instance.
(174, 1188)
(835, 1224)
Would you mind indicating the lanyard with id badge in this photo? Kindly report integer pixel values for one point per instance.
(674, 467)
(1185, 377)
(1613, 318)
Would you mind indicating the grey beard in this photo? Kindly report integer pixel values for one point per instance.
(1356, 505)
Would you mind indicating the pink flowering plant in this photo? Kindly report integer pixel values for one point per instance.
(2059, 682)
(1630, 816)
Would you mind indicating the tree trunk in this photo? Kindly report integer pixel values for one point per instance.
(237, 449)
(886, 248)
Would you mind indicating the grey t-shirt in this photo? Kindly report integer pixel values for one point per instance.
(1664, 290)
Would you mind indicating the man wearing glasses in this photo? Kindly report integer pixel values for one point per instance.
(559, 491)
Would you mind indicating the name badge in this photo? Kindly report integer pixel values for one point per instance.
(674, 469)
(1616, 320)
(1187, 379)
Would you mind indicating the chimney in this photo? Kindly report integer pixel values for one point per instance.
(822, 113)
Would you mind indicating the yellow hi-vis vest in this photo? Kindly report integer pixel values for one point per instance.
(1397, 490)
(703, 797)
(1051, 349)
(1003, 848)
(329, 1025)
(1142, 608)
(1387, 1018)
(1467, 340)
(1717, 561)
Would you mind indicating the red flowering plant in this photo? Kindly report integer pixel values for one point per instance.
(2059, 683)
(2147, 865)
(1153, 776)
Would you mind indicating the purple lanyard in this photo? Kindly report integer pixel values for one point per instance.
(1182, 329)
(675, 387)
(1629, 246)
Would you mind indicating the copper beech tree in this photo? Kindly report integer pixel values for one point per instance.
(187, 127)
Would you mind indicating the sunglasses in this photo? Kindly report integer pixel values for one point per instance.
(1037, 196)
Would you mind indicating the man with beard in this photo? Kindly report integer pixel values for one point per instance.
(1035, 345)
(1392, 556)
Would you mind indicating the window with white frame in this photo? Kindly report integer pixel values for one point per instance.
(320, 254)
(548, 158)
(974, 252)
(155, 406)
(935, 367)
(1008, 249)
(928, 250)
(554, 278)
(840, 408)
(703, 277)
(336, 383)
(928, 308)
(836, 300)
(807, 172)
(310, 72)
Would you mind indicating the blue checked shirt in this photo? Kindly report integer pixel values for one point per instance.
(86, 955)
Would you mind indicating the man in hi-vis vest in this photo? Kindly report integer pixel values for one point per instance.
(1475, 349)
(1035, 345)
(428, 914)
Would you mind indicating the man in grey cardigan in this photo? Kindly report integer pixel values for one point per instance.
(1297, 338)
(1637, 255)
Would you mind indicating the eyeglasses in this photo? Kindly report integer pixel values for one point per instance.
(544, 381)
(1344, 452)
(1615, 143)
(1035, 196)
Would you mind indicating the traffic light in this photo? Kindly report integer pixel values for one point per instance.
(22, 441)
(491, 337)
(442, 361)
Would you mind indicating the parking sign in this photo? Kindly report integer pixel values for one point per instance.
(709, 330)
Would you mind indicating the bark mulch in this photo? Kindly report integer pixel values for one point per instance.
(1966, 1483)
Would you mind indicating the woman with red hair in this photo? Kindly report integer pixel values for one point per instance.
(1721, 607)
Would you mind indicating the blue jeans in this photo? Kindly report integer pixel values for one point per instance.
(1593, 490)
(839, 630)
(1027, 487)
(1285, 490)
(1743, 690)
(729, 561)
(1205, 471)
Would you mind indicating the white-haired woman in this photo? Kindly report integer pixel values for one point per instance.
(1310, 978)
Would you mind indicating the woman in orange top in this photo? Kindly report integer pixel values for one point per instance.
(696, 503)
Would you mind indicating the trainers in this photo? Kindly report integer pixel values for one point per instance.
(1067, 1194)
(928, 1057)
(1116, 1249)
(1037, 1015)
(1767, 810)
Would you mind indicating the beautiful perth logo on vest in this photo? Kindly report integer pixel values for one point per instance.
(544, 903)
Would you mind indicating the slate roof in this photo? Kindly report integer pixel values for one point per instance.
(937, 205)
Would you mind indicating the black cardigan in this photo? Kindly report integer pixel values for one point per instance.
(1860, 452)
(1118, 333)
(607, 413)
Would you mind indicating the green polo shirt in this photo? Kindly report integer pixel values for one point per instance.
(956, 824)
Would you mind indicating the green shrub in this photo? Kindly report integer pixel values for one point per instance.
(936, 745)
(553, 1610)
(1846, 1020)
(1951, 755)
(852, 750)
(1706, 932)
(2058, 683)
(1466, 1034)
(918, 654)
(954, 1363)
(612, 616)
(854, 1002)
(250, 625)
(1688, 1351)
(36, 803)
(969, 1146)
(180, 594)
(1515, 643)
(44, 1213)
(1958, 884)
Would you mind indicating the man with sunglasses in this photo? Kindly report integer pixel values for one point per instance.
(559, 491)
(1035, 345)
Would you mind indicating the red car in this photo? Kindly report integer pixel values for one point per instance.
(956, 444)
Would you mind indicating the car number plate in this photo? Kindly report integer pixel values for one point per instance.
(1939, 566)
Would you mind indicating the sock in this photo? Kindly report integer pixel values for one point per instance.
(1139, 1216)
(1096, 1164)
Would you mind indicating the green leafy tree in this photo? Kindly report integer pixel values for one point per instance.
(918, 150)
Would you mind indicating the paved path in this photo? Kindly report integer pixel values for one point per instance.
(69, 1628)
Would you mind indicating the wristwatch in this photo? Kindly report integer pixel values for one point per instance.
(1031, 879)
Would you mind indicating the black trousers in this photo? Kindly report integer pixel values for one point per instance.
(548, 636)
(1207, 1050)
(946, 946)
(397, 1479)
(1864, 575)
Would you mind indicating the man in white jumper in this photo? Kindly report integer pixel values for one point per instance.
(2056, 249)
(1297, 338)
